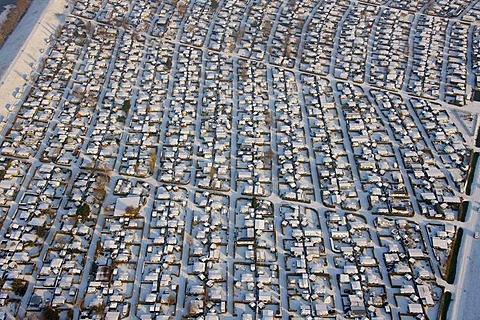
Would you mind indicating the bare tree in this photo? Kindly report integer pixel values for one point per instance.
(151, 161)
(182, 8)
(132, 211)
(239, 35)
(267, 27)
(171, 300)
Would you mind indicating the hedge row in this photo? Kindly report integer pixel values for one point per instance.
(471, 173)
(452, 263)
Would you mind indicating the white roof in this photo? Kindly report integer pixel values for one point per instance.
(112, 315)
(123, 203)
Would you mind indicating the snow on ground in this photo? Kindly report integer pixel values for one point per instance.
(24, 48)
(19, 58)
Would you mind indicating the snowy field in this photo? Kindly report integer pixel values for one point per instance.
(25, 47)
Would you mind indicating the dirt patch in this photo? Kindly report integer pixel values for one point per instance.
(14, 15)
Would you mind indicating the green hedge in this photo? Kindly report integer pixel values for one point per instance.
(471, 173)
(462, 210)
(444, 305)
(452, 262)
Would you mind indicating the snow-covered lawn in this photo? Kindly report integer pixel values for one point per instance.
(24, 48)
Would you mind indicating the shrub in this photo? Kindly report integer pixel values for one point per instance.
(83, 211)
(50, 313)
(19, 287)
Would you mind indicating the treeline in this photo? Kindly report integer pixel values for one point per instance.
(13, 16)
